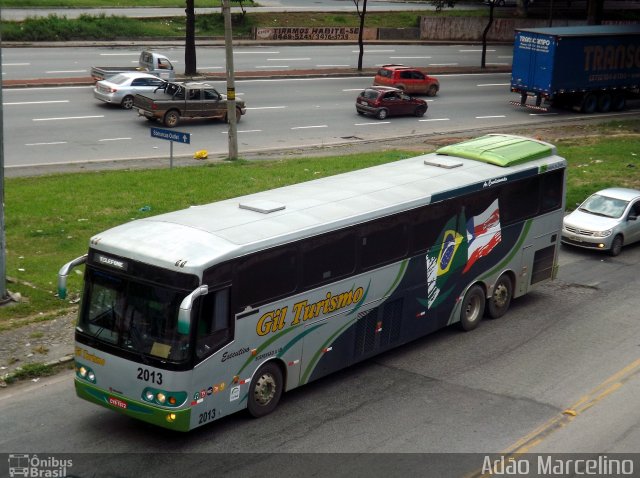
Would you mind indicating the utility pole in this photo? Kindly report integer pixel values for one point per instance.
(3, 244)
(231, 86)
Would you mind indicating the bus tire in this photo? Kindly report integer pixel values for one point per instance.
(472, 308)
(265, 390)
(499, 302)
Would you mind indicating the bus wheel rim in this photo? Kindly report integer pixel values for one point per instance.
(265, 389)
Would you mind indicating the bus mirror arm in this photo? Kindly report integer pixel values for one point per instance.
(184, 314)
(64, 272)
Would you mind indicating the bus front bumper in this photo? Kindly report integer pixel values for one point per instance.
(172, 419)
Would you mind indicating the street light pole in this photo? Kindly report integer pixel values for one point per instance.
(231, 87)
(3, 248)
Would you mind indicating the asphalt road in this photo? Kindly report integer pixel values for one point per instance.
(508, 386)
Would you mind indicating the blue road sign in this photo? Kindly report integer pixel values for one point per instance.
(176, 136)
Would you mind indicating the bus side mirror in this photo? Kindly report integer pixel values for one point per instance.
(64, 272)
(184, 313)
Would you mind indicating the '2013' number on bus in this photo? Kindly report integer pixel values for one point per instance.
(153, 377)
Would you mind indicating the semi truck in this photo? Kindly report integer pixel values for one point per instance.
(584, 68)
(149, 62)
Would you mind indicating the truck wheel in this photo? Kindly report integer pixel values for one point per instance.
(127, 102)
(604, 102)
(618, 102)
(589, 104)
(171, 118)
(265, 390)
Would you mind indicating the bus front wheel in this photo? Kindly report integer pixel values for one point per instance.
(265, 390)
(499, 303)
(472, 308)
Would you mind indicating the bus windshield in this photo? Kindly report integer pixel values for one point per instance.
(135, 316)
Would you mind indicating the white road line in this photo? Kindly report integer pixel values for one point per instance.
(493, 84)
(65, 71)
(272, 66)
(16, 64)
(114, 139)
(256, 52)
(210, 67)
(310, 127)
(435, 119)
(288, 59)
(267, 108)
(410, 57)
(487, 117)
(244, 131)
(67, 118)
(542, 114)
(48, 88)
(45, 144)
(353, 89)
(36, 102)
(372, 124)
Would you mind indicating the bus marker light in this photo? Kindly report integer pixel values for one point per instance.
(379, 327)
(171, 417)
(254, 352)
(161, 397)
(148, 396)
(172, 400)
(295, 362)
(328, 349)
(236, 379)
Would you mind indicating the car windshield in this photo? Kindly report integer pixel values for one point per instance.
(135, 316)
(604, 206)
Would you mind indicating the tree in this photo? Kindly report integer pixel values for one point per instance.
(190, 64)
(361, 14)
(483, 61)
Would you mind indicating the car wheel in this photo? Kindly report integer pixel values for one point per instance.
(382, 114)
(265, 390)
(171, 118)
(472, 308)
(499, 303)
(420, 111)
(432, 91)
(127, 102)
(360, 112)
(616, 246)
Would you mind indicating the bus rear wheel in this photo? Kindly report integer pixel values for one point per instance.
(499, 303)
(265, 390)
(472, 308)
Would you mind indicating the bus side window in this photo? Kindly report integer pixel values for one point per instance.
(552, 190)
(214, 329)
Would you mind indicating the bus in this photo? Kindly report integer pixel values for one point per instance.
(190, 316)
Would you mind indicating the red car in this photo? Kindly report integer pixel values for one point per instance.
(408, 79)
(382, 101)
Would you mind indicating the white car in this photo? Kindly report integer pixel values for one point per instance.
(606, 221)
(121, 88)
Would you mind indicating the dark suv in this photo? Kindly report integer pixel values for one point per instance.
(382, 101)
(408, 79)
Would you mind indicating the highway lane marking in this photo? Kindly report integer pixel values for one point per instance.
(35, 102)
(210, 67)
(16, 64)
(67, 118)
(309, 127)
(567, 416)
(410, 57)
(288, 59)
(45, 144)
(436, 119)
(487, 117)
(114, 139)
(272, 66)
(267, 108)
(372, 124)
(256, 52)
(48, 88)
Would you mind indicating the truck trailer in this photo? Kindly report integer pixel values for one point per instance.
(584, 68)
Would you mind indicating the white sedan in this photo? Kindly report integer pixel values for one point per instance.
(121, 88)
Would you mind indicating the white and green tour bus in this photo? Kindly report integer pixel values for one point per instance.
(192, 315)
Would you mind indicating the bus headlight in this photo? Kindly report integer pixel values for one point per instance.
(85, 373)
(163, 397)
